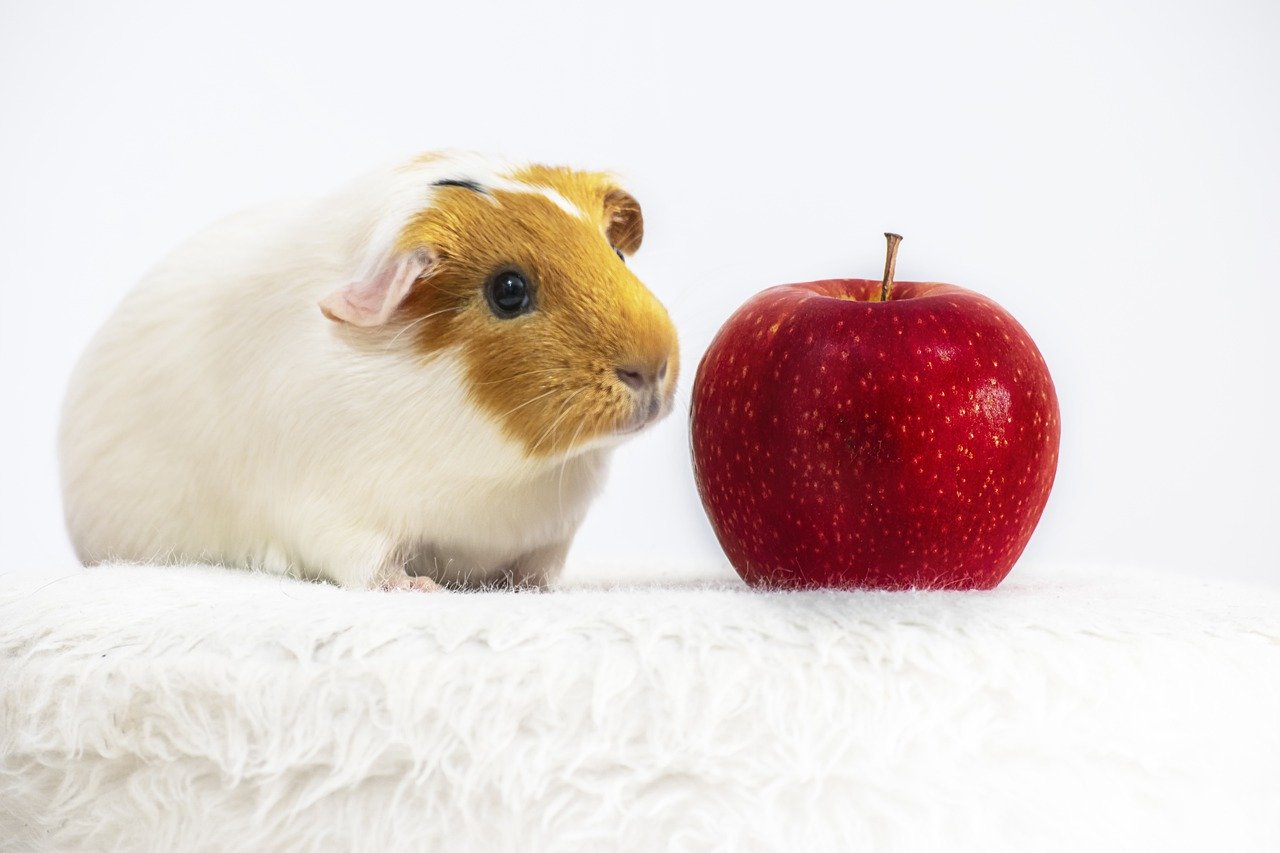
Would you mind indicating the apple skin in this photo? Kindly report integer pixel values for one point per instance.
(843, 442)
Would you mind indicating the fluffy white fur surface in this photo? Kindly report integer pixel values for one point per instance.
(197, 708)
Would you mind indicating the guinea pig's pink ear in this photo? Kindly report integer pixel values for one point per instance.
(372, 301)
(623, 222)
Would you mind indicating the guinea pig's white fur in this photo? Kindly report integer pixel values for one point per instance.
(182, 436)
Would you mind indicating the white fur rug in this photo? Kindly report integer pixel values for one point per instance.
(195, 708)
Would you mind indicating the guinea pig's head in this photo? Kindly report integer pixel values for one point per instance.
(522, 276)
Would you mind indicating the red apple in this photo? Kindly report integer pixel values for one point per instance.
(847, 440)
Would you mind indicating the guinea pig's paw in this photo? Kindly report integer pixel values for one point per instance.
(421, 584)
(410, 583)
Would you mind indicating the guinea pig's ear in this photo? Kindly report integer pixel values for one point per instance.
(623, 222)
(372, 301)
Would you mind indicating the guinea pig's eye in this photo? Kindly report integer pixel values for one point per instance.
(621, 256)
(508, 294)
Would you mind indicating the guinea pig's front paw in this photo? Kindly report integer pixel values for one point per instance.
(403, 581)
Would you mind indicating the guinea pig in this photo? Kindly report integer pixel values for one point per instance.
(417, 379)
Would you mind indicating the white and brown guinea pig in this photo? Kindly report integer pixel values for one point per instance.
(419, 378)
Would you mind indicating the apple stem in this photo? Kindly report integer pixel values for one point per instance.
(890, 260)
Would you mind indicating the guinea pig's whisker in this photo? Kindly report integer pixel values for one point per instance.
(564, 463)
(549, 430)
(422, 319)
(553, 429)
(527, 402)
(550, 371)
(681, 399)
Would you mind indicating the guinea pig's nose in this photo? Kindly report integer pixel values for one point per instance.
(637, 376)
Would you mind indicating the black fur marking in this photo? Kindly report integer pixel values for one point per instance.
(463, 183)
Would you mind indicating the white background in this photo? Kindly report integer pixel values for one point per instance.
(1107, 171)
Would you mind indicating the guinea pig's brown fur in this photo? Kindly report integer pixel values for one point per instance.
(548, 377)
